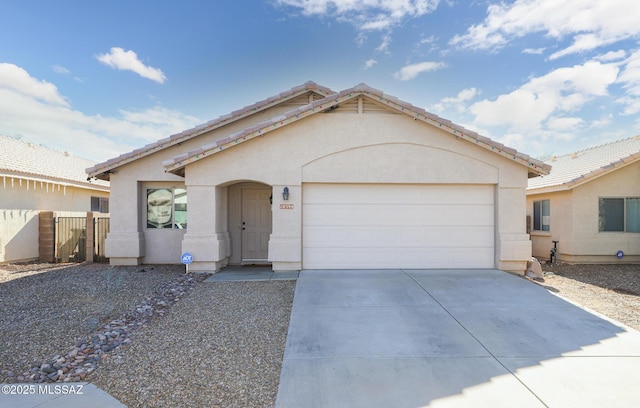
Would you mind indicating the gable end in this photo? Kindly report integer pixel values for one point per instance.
(358, 100)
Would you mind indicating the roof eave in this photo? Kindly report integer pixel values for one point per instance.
(53, 180)
(548, 189)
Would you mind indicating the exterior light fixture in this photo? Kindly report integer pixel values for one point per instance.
(285, 194)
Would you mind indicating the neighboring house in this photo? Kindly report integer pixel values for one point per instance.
(314, 179)
(35, 178)
(590, 204)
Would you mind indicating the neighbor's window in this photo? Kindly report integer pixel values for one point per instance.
(167, 208)
(541, 215)
(619, 214)
(100, 204)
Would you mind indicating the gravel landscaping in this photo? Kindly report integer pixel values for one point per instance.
(611, 290)
(48, 310)
(149, 335)
(152, 336)
(222, 346)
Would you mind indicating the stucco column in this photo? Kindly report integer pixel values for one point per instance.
(125, 244)
(285, 243)
(207, 237)
(513, 246)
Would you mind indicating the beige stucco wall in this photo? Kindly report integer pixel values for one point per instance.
(17, 192)
(345, 147)
(561, 223)
(574, 220)
(18, 235)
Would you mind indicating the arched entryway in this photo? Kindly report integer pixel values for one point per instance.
(250, 222)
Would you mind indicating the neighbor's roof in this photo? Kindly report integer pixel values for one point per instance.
(25, 160)
(331, 102)
(580, 167)
(102, 170)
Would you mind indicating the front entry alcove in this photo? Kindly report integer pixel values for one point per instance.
(250, 222)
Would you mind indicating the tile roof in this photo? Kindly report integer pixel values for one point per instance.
(577, 168)
(176, 165)
(31, 161)
(101, 170)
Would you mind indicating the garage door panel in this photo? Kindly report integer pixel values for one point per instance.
(398, 194)
(361, 258)
(395, 237)
(385, 214)
(349, 226)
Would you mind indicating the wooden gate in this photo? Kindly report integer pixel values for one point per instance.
(70, 239)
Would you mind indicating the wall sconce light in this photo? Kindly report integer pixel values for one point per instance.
(285, 194)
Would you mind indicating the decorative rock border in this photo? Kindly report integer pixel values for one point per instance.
(85, 357)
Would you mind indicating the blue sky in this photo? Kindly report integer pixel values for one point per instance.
(99, 79)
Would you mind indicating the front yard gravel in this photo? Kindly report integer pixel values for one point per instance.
(47, 309)
(214, 345)
(222, 346)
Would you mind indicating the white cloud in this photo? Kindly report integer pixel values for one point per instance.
(564, 123)
(611, 56)
(630, 80)
(411, 71)
(631, 105)
(561, 91)
(602, 122)
(630, 76)
(128, 61)
(370, 63)
(366, 15)
(15, 79)
(533, 51)
(60, 70)
(384, 46)
(457, 102)
(428, 40)
(34, 110)
(590, 23)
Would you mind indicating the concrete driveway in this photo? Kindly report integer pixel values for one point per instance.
(456, 338)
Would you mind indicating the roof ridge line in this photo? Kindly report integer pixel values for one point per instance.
(599, 146)
(52, 149)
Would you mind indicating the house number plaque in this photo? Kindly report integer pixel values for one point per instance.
(286, 206)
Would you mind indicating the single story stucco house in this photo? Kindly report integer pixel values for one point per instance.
(313, 178)
(590, 204)
(35, 177)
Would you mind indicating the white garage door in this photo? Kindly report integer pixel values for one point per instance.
(382, 226)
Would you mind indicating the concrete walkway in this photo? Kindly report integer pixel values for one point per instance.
(466, 338)
(250, 273)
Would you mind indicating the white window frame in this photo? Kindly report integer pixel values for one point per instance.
(544, 221)
(100, 204)
(625, 215)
